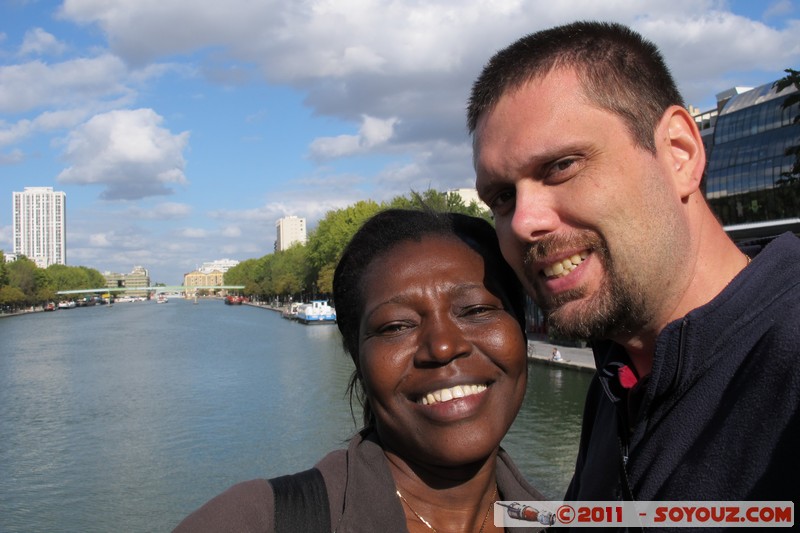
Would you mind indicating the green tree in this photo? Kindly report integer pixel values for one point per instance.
(334, 231)
(3, 270)
(309, 268)
(11, 298)
(289, 270)
(440, 201)
(22, 274)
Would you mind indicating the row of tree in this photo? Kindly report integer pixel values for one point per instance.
(23, 284)
(306, 271)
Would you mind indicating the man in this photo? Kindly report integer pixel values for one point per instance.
(592, 169)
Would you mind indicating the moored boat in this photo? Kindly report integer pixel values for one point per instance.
(316, 312)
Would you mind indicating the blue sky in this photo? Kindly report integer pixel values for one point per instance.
(181, 130)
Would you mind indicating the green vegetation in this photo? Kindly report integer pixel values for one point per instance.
(306, 271)
(23, 284)
(301, 272)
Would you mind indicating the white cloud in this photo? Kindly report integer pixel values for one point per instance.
(415, 60)
(39, 42)
(231, 231)
(128, 152)
(100, 240)
(193, 233)
(5, 238)
(13, 157)
(36, 84)
(373, 132)
(781, 8)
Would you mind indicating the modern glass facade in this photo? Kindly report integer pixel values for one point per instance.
(746, 179)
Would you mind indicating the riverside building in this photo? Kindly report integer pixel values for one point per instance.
(209, 274)
(291, 230)
(138, 277)
(40, 225)
(749, 182)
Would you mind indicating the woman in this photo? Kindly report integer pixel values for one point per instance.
(433, 320)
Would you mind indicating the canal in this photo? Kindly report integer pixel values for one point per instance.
(126, 418)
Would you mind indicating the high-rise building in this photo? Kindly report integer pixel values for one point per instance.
(291, 230)
(40, 225)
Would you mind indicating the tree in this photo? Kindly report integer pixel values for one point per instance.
(3, 270)
(11, 298)
(334, 231)
(440, 201)
(289, 270)
(22, 275)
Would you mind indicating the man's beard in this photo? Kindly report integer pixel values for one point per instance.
(617, 308)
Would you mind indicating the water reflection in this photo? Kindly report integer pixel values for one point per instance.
(544, 438)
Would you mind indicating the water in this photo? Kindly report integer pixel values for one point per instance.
(127, 418)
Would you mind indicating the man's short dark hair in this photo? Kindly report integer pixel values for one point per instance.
(620, 71)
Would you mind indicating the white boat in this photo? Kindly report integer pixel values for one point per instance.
(316, 312)
(161, 298)
(67, 304)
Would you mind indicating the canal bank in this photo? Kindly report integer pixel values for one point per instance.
(541, 352)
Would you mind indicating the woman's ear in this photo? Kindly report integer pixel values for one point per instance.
(683, 149)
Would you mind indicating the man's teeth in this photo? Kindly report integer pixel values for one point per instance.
(563, 268)
(445, 395)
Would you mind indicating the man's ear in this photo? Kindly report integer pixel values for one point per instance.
(683, 149)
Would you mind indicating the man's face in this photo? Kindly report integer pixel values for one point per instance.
(589, 221)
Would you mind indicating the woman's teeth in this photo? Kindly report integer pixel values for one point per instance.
(445, 395)
(564, 267)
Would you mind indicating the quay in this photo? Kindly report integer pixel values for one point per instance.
(541, 352)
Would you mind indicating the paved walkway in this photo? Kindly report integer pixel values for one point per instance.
(577, 358)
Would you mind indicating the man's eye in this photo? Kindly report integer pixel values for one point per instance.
(502, 202)
(561, 167)
(564, 164)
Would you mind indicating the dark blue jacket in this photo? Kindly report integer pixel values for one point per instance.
(718, 416)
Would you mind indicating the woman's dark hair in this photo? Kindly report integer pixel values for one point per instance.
(382, 233)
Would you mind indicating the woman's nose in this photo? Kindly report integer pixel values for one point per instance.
(442, 342)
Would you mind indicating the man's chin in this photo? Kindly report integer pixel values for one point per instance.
(578, 319)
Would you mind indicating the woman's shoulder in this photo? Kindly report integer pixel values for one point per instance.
(246, 506)
(512, 483)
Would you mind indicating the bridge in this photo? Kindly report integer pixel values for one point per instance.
(161, 288)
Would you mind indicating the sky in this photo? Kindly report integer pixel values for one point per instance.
(182, 130)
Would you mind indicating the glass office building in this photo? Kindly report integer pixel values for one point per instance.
(747, 178)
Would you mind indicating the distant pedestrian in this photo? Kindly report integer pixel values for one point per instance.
(556, 355)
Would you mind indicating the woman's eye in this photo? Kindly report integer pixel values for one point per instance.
(388, 329)
(479, 310)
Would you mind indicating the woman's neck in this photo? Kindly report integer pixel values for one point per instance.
(446, 499)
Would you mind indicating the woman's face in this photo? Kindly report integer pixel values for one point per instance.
(443, 362)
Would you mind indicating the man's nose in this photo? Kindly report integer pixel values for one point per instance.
(534, 215)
